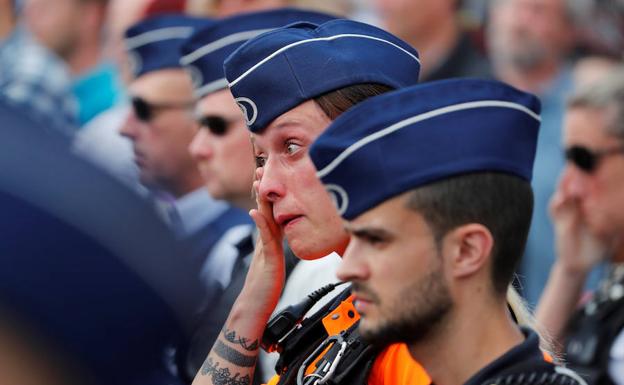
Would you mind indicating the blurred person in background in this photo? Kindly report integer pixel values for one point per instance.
(435, 29)
(161, 126)
(74, 30)
(31, 76)
(99, 140)
(529, 43)
(223, 8)
(588, 213)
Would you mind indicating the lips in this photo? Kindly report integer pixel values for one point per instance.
(283, 220)
(361, 303)
(139, 158)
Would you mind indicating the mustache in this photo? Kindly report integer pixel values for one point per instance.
(364, 291)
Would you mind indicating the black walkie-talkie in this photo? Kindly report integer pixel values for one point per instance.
(286, 321)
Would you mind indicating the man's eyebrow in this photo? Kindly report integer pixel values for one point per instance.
(366, 231)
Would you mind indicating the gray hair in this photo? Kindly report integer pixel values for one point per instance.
(607, 93)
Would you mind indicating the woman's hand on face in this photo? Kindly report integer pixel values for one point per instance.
(267, 270)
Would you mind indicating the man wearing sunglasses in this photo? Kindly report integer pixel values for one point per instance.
(588, 213)
(161, 126)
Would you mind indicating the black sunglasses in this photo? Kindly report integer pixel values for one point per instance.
(587, 160)
(217, 125)
(144, 110)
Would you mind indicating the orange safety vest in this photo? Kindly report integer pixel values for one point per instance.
(393, 366)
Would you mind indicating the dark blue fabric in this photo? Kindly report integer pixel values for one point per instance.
(526, 351)
(434, 144)
(154, 44)
(85, 263)
(281, 69)
(202, 241)
(205, 63)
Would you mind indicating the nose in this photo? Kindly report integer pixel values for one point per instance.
(200, 147)
(574, 181)
(272, 185)
(129, 127)
(352, 267)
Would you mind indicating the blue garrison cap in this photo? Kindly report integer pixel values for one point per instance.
(154, 44)
(205, 51)
(404, 139)
(281, 69)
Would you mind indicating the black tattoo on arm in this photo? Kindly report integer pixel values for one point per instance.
(222, 376)
(230, 336)
(232, 355)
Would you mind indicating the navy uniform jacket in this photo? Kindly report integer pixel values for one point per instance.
(524, 364)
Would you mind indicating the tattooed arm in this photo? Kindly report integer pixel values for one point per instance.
(222, 375)
(233, 357)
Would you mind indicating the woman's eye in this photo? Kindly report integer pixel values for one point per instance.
(260, 161)
(291, 148)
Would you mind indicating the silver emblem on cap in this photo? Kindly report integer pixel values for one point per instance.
(339, 196)
(135, 63)
(196, 76)
(249, 108)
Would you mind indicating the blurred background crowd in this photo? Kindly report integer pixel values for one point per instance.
(65, 69)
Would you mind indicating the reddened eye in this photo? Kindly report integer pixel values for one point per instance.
(291, 148)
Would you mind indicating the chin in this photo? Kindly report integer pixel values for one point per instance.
(306, 250)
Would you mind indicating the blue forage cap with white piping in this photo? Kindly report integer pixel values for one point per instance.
(205, 51)
(404, 139)
(154, 44)
(281, 69)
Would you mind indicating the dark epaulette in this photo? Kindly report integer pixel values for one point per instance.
(303, 345)
(536, 372)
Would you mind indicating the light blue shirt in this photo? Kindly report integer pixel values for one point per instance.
(196, 209)
(96, 91)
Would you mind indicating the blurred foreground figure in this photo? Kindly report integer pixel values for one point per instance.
(86, 268)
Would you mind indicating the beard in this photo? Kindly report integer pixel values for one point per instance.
(414, 315)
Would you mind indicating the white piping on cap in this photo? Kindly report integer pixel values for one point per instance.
(211, 87)
(346, 35)
(418, 118)
(158, 35)
(220, 43)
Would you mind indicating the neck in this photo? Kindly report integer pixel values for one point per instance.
(244, 203)
(534, 80)
(474, 335)
(7, 19)
(435, 44)
(191, 183)
(84, 58)
(618, 253)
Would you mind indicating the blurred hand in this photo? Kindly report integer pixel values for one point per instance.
(578, 250)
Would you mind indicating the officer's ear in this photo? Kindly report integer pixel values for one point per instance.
(467, 249)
